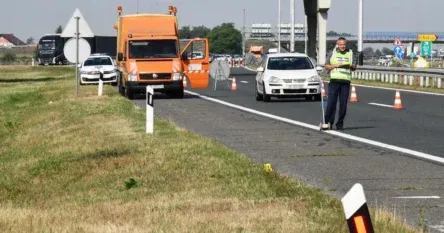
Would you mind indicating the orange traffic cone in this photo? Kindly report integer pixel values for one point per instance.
(324, 94)
(184, 81)
(233, 84)
(398, 104)
(353, 97)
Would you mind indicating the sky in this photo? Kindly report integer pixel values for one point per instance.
(32, 18)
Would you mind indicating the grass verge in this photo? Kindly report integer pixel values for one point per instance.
(85, 164)
(34, 73)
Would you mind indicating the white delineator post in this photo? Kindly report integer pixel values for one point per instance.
(149, 110)
(356, 210)
(100, 82)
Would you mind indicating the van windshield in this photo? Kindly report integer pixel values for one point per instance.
(153, 49)
(289, 63)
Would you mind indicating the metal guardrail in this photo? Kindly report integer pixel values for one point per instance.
(424, 77)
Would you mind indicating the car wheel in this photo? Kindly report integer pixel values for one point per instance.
(266, 97)
(318, 97)
(259, 96)
(179, 94)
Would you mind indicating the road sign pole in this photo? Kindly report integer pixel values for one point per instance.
(360, 35)
(77, 56)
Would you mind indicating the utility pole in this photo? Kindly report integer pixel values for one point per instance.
(279, 26)
(305, 34)
(243, 34)
(292, 26)
(360, 34)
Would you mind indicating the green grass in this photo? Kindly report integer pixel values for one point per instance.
(85, 164)
(34, 73)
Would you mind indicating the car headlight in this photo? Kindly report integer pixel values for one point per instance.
(314, 78)
(132, 77)
(274, 80)
(177, 76)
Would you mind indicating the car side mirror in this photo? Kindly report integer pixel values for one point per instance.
(79, 65)
(319, 68)
(260, 69)
(120, 57)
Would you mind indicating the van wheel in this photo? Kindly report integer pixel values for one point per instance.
(129, 93)
(179, 94)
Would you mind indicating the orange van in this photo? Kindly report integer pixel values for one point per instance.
(149, 53)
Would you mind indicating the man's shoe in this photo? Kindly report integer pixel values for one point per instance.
(340, 128)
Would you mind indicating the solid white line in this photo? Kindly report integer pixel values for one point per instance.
(244, 81)
(394, 89)
(419, 197)
(315, 127)
(382, 105)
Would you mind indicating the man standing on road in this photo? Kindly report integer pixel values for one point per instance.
(340, 62)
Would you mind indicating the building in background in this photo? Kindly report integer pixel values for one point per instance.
(9, 40)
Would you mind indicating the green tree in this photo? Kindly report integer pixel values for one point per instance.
(225, 38)
(368, 52)
(378, 53)
(387, 51)
(30, 40)
(185, 33)
(200, 32)
(59, 29)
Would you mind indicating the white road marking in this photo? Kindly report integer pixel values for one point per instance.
(438, 227)
(419, 197)
(382, 105)
(244, 81)
(316, 127)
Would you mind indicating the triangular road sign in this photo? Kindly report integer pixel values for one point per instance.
(71, 27)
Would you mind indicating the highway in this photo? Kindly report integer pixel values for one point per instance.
(419, 126)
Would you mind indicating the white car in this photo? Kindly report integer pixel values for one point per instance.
(90, 70)
(288, 75)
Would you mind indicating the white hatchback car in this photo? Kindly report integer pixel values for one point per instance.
(288, 75)
(90, 69)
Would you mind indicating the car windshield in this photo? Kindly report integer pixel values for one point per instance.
(153, 49)
(98, 61)
(289, 63)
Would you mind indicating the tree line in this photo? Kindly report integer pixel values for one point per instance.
(224, 38)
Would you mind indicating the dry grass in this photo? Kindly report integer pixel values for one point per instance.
(85, 164)
(24, 73)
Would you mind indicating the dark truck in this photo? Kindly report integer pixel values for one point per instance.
(50, 48)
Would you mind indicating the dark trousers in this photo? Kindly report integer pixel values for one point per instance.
(335, 91)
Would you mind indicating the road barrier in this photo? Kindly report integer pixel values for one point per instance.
(424, 77)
